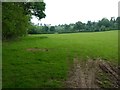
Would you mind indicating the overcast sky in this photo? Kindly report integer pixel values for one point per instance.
(71, 11)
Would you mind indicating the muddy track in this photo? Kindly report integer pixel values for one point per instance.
(85, 74)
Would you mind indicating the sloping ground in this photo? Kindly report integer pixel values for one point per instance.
(92, 74)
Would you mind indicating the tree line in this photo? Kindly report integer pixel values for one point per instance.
(102, 25)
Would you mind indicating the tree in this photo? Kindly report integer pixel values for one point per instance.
(34, 8)
(66, 28)
(102, 28)
(52, 29)
(105, 22)
(78, 26)
(45, 28)
(89, 26)
(16, 17)
(14, 22)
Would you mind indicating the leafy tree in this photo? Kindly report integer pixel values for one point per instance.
(66, 28)
(105, 22)
(102, 28)
(32, 29)
(78, 26)
(88, 26)
(14, 21)
(45, 28)
(52, 29)
(16, 17)
(34, 8)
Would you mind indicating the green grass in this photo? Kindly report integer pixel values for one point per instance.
(22, 68)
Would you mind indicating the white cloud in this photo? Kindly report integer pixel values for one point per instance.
(71, 11)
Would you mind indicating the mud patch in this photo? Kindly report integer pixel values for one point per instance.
(86, 74)
(107, 75)
(37, 49)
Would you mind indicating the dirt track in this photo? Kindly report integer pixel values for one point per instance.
(86, 74)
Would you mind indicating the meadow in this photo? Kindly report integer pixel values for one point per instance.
(43, 60)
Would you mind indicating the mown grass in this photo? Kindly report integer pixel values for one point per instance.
(35, 69)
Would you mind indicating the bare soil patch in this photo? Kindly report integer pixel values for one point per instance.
(107, 75)
(37, 49)
(86, 74)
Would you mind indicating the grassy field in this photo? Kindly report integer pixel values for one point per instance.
(43, 60)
